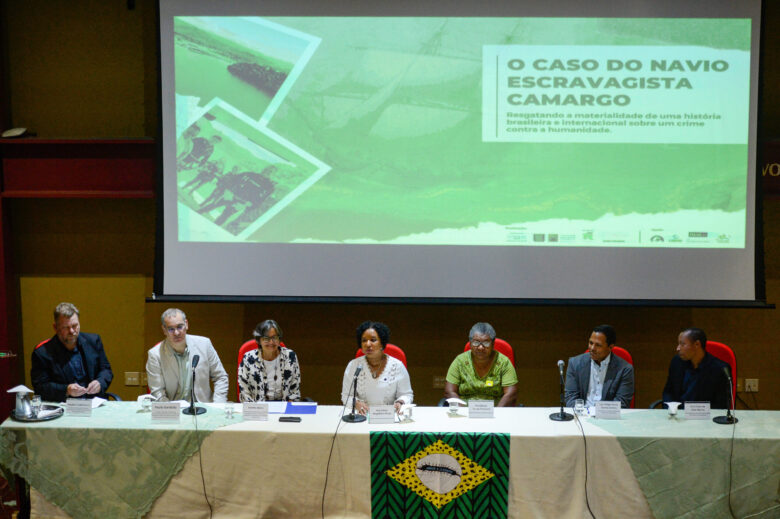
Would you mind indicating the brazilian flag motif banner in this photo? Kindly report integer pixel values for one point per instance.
(439, 475)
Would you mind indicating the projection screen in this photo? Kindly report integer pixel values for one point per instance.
(459, 151)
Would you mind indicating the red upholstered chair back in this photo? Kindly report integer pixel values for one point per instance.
(390, 349)
(726, 354)
(248, 346)
(623, 354)
(500, 346)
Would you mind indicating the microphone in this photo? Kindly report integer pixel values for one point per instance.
(561, 416)
(354, 417)
(729, 418)
(192, 410)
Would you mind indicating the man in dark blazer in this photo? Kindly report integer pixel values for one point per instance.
(599, 375)
(70, 364)
(695, 375)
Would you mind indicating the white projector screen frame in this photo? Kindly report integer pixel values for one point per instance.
(230, 267)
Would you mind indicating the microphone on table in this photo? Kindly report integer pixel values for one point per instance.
(729, 418)
(561, 416)
(354, 417)
(192, 410)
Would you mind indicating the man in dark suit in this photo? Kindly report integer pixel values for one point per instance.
(695, 375)
(599, 375)
(70, 364)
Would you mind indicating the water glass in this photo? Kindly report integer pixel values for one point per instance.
(35, 403)
(146, 404)
(229, 410)
(579, 407)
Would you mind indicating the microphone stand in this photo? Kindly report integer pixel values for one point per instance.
(561, 416)
(192, 410)
(354, 417)
(729, 418)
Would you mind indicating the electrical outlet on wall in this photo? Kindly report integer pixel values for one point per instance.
(751, 385)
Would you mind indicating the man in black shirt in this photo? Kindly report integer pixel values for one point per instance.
(695, 375)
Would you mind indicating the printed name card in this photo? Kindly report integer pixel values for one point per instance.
(255, 411)
(166, 412)
(481, 409)
(79, 407)
(608, 410)
(697, 410)
(381, 414)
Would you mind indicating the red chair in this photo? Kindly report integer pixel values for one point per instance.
(390, 349)
(245, 348)
(726, 354)
(623, 354)
(500, 346)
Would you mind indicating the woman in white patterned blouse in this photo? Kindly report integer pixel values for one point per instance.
(270, 372)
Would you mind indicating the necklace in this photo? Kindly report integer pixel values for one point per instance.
(276, 362)
(379, 368)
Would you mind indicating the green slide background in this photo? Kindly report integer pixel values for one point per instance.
(393, 107)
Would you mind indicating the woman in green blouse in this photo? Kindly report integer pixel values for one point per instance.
(482, 373)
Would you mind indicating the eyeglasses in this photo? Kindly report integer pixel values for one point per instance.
(484, 344)
(275, 338)
(179, 327)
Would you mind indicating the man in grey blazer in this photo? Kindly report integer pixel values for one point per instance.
(599, 375)
(169, 364)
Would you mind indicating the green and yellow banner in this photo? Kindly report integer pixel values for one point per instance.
(439, 475)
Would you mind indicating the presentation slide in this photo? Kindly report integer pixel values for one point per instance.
(452, 131)
(455, 150)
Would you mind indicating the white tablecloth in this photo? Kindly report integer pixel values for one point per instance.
(273, 469)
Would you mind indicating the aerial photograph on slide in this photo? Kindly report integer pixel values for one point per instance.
(457, 131)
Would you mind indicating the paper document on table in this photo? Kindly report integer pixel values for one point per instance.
(277, 407)
(97, 402)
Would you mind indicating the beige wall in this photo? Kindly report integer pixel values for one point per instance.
(87, 68)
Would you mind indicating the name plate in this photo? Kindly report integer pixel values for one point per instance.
(166, 412)
(697, 410)
(255, 411)
(481, 408)
(608, 410)
(79, 407)
(381, 414)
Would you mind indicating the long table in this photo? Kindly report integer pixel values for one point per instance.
(118, 463)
